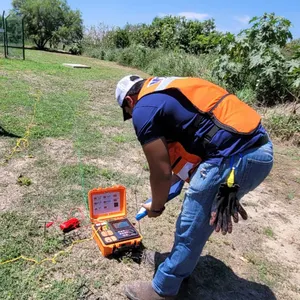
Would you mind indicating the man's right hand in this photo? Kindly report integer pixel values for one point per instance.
(152, 213)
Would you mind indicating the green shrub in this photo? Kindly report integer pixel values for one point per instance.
(287, 127)
(76, 49)
(126, 57)
(247, 95)
(138, 56)
(112, 54)
(157, 62)
(181, 64)
(94, 52)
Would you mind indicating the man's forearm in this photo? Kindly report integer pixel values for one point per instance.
(160, 187)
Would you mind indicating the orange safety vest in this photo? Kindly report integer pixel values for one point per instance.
(224, 109)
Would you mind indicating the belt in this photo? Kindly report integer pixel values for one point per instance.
(261, 141)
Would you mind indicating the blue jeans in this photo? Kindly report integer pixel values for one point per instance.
(192, 227)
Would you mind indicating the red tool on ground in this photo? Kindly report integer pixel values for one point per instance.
(69, 225)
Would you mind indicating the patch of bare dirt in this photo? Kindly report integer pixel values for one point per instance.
(100, 91)
(60, 150)
(3, 73)
(4, 146)
(11, 193)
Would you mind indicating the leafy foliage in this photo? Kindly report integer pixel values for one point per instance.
(50, 21)
(269, 29)
(168, 33)
(254, 58)
(14, 30)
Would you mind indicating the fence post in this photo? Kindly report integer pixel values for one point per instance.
(6, 39)
(3, 25)
(23, 38)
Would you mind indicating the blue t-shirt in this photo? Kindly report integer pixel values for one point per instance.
(161, 115)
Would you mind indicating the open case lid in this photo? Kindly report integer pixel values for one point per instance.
(107, 203)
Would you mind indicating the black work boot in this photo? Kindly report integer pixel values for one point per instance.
(143, 290)
(153, 258)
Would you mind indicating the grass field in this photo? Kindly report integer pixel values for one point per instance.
(75, 140)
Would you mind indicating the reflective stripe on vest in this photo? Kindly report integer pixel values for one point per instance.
(182, 162)
(184, 172)
(165, 82)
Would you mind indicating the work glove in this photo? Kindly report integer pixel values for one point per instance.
(225, 206)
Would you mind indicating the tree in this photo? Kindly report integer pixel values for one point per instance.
(50, 21)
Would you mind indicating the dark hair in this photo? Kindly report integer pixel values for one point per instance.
(135, 89)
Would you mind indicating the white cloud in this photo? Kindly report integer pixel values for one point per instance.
(193, 15)
(243, 19)
(164, 15)
(188, 15)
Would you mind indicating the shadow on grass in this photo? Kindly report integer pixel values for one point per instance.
(50, 50)
(3, 132)
(213, 280)
(134, 254)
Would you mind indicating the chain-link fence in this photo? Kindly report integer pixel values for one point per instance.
(12, 36)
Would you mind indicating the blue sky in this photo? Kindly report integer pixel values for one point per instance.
(230, 15)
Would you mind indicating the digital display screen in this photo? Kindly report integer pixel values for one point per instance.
(121, 224)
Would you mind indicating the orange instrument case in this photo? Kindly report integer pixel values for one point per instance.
(112, 231)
